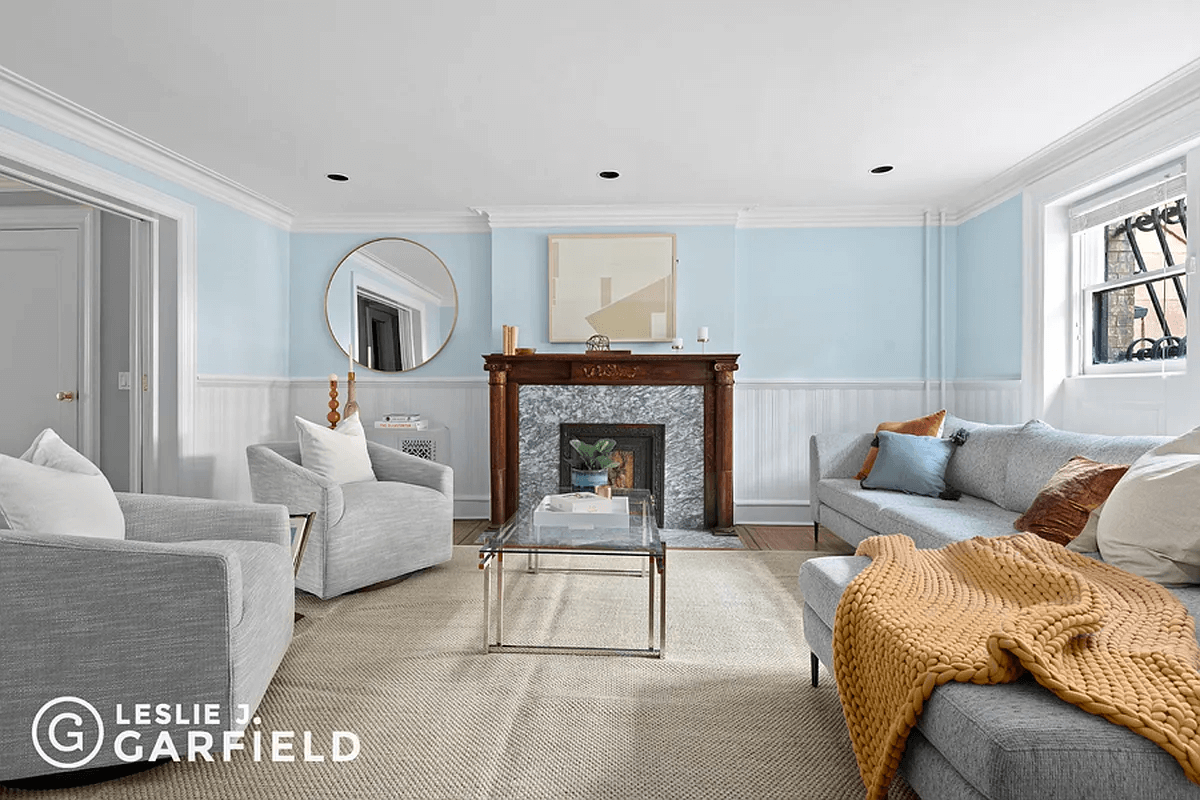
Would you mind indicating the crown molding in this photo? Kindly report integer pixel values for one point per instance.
(407, 222)
(26, 99)
(834, 217)
(1140, 115)
(607, 216)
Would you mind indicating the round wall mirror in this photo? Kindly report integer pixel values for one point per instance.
(392, 303)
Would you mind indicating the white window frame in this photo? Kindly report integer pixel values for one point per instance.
(1087, 246)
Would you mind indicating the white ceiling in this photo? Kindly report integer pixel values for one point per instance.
(447, 104)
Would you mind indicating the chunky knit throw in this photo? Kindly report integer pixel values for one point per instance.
(987, 610)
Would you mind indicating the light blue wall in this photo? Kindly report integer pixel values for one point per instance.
(704, 286)
(830, 303)
(242, 294)
(314, 256)
(242, 270)
(988, 296)
(834, 303)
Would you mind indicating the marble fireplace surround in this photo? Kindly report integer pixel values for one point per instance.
(692, 394)
(679, 408)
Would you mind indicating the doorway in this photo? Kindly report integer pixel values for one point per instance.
(68, 305)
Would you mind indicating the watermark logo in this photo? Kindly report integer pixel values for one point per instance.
(66, 732)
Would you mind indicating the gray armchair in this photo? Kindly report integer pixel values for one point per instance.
(195, 606)
(364, 532)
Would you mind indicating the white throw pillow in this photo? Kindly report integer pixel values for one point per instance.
(1085, 542)
(54, 489)
(339, 455)
(1150, 525)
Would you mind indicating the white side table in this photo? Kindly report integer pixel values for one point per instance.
(432, 443)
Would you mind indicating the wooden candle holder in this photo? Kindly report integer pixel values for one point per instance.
(333, 416)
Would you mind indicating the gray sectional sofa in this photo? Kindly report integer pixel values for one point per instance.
(1010, 742)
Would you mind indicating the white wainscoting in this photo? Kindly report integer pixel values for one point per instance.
(773, 421)
(231, 413)
(461, 404)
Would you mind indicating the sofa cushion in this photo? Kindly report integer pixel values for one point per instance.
(929, 425)
(938, 526)
(978, 466)
(1150, 525)
(866, 506)
(1017, 741)
(1060, 511)
(1040, 449)
(912, 464)
(822, 581)
(1012, 741)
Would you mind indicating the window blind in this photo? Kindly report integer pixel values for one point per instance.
(1151, 189)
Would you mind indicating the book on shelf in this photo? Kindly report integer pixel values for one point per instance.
(415, 425)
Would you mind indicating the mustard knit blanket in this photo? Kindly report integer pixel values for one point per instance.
(987, 610)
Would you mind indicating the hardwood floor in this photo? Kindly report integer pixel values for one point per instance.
(753, 537)
(467, 531)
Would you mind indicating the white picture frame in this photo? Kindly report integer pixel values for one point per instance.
(616, 284)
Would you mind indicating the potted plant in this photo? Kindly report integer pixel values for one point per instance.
(589, 467)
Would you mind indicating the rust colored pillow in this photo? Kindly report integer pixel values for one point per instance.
(1060, 510)
(921, 426)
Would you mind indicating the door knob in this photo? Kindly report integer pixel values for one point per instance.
(65, 397)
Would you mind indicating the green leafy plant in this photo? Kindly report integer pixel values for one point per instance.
(595, 456)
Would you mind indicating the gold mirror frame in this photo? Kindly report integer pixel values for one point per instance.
(346, 349)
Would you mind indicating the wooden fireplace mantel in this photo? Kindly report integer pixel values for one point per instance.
(714, 372)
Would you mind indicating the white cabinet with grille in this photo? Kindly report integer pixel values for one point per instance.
(432, 444)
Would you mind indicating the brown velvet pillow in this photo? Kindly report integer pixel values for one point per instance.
(921, 426)
(1060, 511)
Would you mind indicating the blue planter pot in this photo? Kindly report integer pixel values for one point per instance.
(586, 480)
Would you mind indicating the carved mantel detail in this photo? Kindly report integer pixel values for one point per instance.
(713, 372)
(626, 372)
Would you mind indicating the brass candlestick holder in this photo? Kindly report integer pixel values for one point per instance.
(351, 402)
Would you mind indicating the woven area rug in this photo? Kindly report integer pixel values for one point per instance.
(729, 713)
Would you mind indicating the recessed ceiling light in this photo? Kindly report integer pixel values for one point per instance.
(609, 174)
(337, 176)
(882, 168)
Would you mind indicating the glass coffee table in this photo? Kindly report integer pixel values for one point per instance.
(633, 537)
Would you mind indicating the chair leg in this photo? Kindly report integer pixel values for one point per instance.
(816, 532)
(815, 667)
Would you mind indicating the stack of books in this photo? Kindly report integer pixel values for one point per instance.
(582, 510)
(412, 422)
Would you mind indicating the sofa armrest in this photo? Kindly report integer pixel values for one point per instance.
(118, 580)
(163, 518)
(111, 621)
(275, 479)
(834, 455)
(392, 465)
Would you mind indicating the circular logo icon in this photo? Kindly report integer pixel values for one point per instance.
(66, 732)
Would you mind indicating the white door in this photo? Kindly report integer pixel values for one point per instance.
(39, 331)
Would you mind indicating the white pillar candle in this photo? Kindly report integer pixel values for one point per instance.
(702, 334)
(677, 344)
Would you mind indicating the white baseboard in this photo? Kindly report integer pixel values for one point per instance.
(472, 507)
(771, 512)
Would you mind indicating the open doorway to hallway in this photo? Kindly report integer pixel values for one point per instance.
(69, 309)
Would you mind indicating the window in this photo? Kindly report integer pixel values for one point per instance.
(1130, 246)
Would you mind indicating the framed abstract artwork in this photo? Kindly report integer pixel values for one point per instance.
(620, 285)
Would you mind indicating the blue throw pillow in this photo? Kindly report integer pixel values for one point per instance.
(912, 464)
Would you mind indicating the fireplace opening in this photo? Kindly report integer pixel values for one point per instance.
(639, 452)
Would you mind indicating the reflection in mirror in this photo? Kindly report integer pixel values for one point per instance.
(392, 303)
